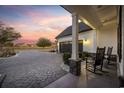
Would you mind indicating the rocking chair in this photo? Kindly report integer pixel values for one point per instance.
(97, 61)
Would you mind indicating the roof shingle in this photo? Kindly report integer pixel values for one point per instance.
(68, 31)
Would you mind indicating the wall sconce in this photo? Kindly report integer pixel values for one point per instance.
(85, 41)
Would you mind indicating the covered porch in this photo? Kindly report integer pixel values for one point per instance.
(105, 21)
(88, 79)
(102, 19)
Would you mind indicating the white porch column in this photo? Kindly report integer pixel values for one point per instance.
(123, 39)
(75, 62)
(58, 46)
(121, 62)
(75, 28)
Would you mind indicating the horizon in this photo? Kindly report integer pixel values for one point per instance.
(35, 21)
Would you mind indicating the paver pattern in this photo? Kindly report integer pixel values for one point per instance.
(31, 68)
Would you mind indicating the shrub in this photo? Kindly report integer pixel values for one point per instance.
(85, 54)
(7, 52)
(44, 42)
(66, 57)
(80, 55)
(52, 50)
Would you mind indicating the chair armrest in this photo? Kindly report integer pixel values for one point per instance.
(89, 58)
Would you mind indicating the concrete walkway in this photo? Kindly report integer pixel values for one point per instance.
(106, 79)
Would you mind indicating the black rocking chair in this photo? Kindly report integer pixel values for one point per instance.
(108, 55)
(97, 61)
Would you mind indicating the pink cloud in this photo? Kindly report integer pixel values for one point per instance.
(48, 19)
(60, 21)
(42, 25)
(35, 35)
(37, 14)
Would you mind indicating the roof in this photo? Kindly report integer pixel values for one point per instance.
(68, 31)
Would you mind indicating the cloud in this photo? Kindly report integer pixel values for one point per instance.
(35, 35)
(41, 24)
(46, 19)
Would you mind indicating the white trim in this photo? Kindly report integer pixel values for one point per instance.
(75, 30)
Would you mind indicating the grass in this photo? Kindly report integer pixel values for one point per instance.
(35, 48)
(17, 49)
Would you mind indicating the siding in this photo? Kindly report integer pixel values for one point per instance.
(107, 36)
(89, 46)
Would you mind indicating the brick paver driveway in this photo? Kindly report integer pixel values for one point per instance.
(31, 68)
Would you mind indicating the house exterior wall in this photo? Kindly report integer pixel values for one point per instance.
(107, 36)
(89, 45)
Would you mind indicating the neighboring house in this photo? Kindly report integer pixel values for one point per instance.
(87, 39)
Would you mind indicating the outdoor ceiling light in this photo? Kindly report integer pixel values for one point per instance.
(79, 21)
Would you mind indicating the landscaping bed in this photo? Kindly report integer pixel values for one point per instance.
(7, 52)
(67, 55)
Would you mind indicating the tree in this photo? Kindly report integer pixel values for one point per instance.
(7, 35)
(44, 42)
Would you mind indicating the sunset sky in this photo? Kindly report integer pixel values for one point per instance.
(34, 22)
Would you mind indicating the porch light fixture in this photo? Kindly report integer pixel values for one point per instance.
(85, 41)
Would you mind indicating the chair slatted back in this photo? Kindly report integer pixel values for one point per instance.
(100, 56)
(109, 51)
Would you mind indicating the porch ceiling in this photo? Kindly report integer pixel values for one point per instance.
(107, 14)
(95, 16)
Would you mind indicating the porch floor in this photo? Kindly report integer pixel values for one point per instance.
(106, 79)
